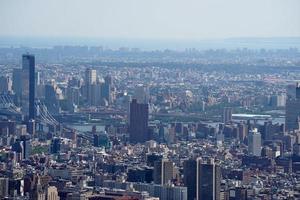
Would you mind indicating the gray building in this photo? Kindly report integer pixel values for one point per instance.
(3, 188)
(28, 66)
(163, 171)
(254, 143)
(163, 192)
(227, 115)
(5, 85)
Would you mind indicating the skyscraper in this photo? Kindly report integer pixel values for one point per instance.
(208, 180)
(26, 143)
(254, 143)
(55, 145)
(141, 94)
(227, 115)
(73, 96)
(22, 146)
(190, 178)
(202, 179)
(37, 78)
(28, 85)
(17, 84)
(138, 127)
(51, 100)
(90, 76)
(292, 113)
(106, 89)
(242, 131)
(163, 171)
(105, 92)
(31, 126)
(109, 79)
(90, 82)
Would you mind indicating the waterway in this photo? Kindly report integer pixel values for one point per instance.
(86, 127)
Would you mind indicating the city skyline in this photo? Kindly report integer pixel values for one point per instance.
(149, 100)
(149, 130)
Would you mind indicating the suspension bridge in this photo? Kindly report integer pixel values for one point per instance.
(43, 116)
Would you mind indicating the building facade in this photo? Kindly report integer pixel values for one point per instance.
(138, 127)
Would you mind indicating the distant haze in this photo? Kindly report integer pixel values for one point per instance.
(153, 44)
(150, 19)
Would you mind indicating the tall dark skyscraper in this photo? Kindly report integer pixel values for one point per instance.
(138, 129)
(292, 112)
(202, 179)
(208, 180)
(190, 178)
(28, 67)
(55, 145)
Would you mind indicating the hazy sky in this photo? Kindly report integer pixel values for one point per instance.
(156, 19)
